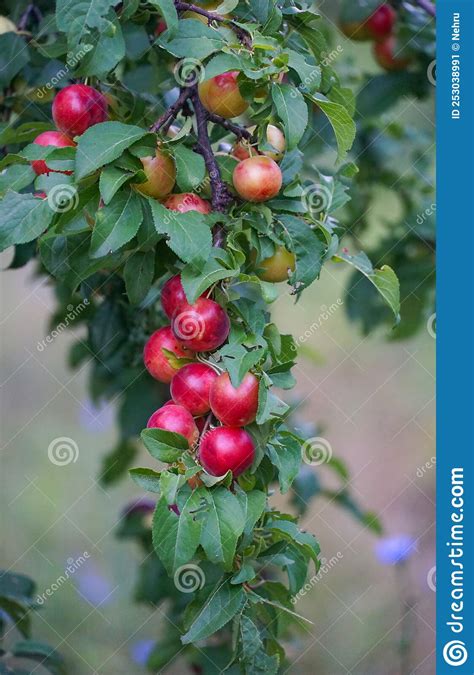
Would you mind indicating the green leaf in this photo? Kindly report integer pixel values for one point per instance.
(308, 249)
(221, 606)
(14, 55)
(111, 180)
(102, 143)
(168, 12)
(309, 74)
(116, 223)
(16, 177)
(384, 279)
(23, 218)
(176, 538)
(190, 168)
(238, 360)
(189, 235)
(222, 63)
(166, 446)
(170, 484)
(292, 111)
(342, 123)
(138, 275)
(224, 525)
(288, 530)
(194, 40)
(253, 504)
(196, 281)
(286, 457)
(246, 573)
(45, 655)
(146, 478)
(269, 405)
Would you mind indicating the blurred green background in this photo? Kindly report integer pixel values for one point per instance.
(374, 402)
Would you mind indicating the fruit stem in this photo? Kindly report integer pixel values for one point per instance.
(241, 33)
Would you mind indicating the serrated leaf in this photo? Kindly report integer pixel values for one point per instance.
(176, 538)
(189, 235)
(102, 143)
(224, 525)
(23, 217)
(166, 446)
(138, 275)
(286, 457)
(308, 249)
(196, 281)
(116, 223)
(169, 14)
(14, 55)
(111, 180)
(292, 111)
(146, 478)
(16, 177)
(342, 123)
(190, 168)
(194, 40)
(222, 63)
(220, 607)
(384, 279)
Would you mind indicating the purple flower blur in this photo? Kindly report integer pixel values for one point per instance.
(94, 587)
(96, 417)
(140, 651)
(394, 550)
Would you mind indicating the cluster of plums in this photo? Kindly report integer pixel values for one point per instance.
(379, 28)
(75, 109)
(199, 392)
(256, 177)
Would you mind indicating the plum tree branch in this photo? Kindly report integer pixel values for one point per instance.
(239, 131)
(241, 33)
(169, 115)
(221, 197)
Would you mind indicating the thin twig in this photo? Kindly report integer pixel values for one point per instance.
(169, 115)
(239, 131)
